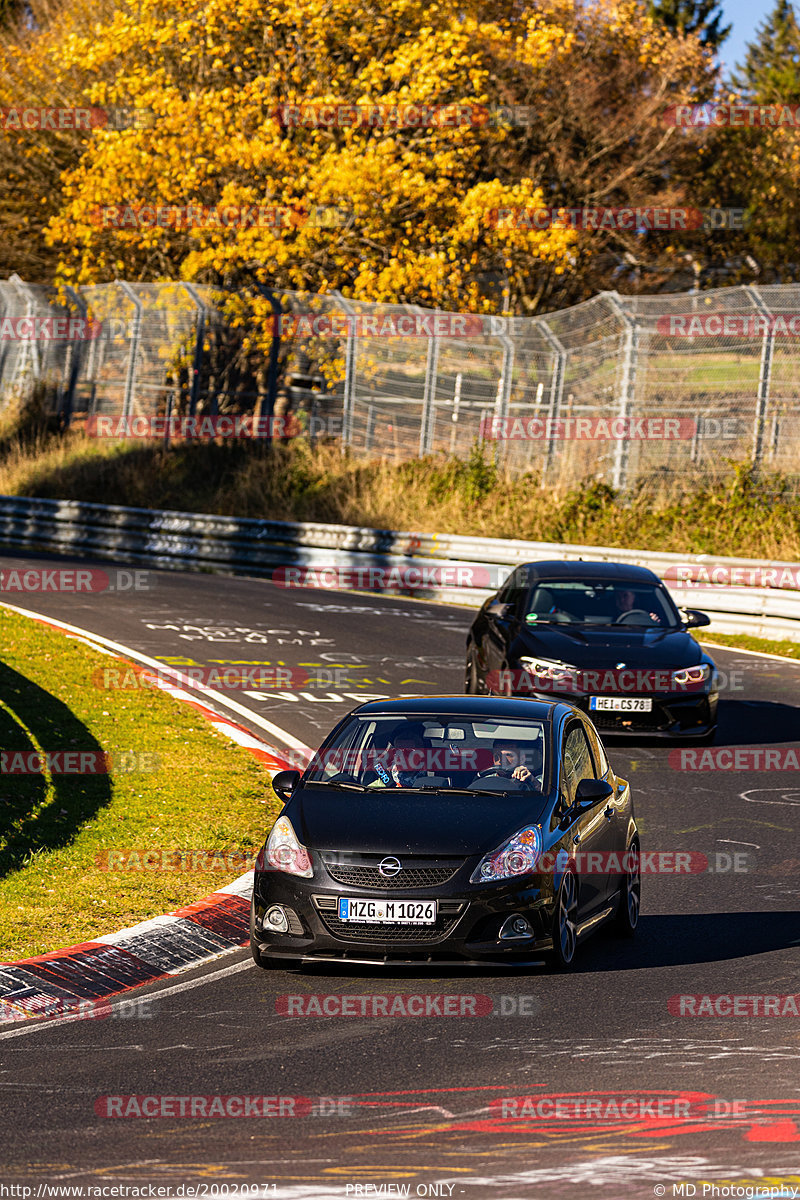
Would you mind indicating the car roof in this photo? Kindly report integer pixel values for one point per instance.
(580, 569)
(467, 707)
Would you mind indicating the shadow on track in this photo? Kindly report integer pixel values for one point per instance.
(661, 941)
(34, 817)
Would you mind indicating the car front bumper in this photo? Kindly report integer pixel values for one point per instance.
(467, 927)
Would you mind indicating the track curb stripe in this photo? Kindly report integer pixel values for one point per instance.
(76, 977)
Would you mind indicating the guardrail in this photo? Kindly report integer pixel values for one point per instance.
(244, 546)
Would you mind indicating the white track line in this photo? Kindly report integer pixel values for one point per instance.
(287, 739)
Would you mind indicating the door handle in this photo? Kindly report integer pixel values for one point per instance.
(576, 839)
(609, 813)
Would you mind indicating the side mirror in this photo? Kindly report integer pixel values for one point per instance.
(696, 619)
(284, 783)
(592, 791)
(500, 610)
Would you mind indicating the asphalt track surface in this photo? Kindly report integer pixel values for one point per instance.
(415, 1094)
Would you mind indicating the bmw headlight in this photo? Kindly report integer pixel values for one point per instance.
(549, 668)
(518, 856)
(691, 677)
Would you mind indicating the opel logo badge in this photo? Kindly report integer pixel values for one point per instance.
(388, 867)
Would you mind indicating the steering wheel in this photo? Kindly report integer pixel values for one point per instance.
(624, 619)
(494, 771)
(342, 777)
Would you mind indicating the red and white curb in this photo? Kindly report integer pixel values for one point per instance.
(73, 980)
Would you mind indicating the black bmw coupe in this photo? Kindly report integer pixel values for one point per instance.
(607, 637)
(448, 829)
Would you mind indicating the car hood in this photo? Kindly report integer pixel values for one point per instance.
(605, 648)
(455, 824)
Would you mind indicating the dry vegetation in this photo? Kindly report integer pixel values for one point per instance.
(736, 515)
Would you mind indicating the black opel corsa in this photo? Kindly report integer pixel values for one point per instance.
(448, 829)
(607, 637)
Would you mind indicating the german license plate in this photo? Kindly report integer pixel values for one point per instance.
(619, 704)
(388, 912)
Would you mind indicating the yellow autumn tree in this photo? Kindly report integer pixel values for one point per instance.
(381, 212)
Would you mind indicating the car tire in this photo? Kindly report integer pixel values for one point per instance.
(627, 915)
(565, 921)
(471, 679)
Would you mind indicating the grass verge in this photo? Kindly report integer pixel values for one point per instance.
(204, 794)
(744, 641)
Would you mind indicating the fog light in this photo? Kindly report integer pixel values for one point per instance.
(276, 920)
(515, 927)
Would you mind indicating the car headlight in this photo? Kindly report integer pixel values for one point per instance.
(283, 852)
(549, 668)
(518, 856)
(689, 676)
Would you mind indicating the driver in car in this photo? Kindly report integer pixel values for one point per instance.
(508, 760)
(625, 602)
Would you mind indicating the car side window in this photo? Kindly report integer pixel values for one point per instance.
(598, 751)
(576, 762)
(514, 590)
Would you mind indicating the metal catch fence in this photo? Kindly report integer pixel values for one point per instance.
(621, 389)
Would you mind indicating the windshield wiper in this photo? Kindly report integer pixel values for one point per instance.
(487, 792)
(337, 783)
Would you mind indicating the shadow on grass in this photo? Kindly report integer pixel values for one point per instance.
(32, 817)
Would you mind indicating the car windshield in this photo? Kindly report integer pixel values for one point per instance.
(569, 602)
(380, 752)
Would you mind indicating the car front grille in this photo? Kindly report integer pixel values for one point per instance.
(370, 877)
(361, 871)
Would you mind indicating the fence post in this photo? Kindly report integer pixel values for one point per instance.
(556, 389)
(429, 397)
(504, 389)
(72, 364)
(130, 375)
(764, 376)
(29, 349)
(350, 364)
(627, 389)
(200, 333)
